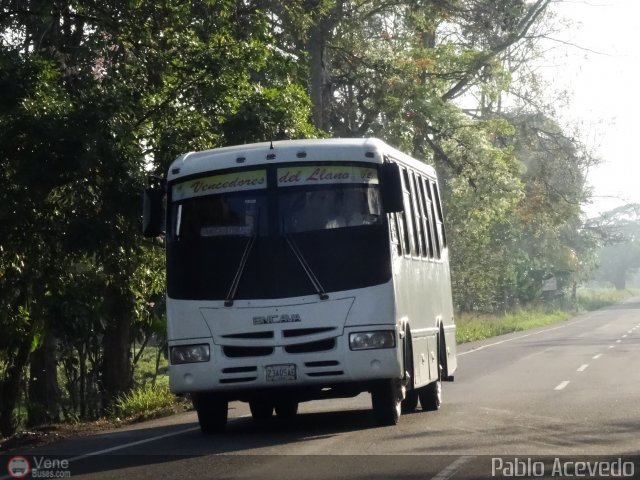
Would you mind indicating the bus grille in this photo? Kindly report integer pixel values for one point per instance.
(238, 352)
(319, 346)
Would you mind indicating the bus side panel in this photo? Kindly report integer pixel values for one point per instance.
(448, 319)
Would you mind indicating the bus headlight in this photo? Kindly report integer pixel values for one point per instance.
(370, 340)
(189, 354)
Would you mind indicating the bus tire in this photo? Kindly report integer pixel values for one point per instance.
(260, 409)
(212, 413)
(410, 402)
(286, 409)
(386, 401)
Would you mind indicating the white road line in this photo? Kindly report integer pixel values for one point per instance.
(618, 341)
(597, 356)
(125, 445)
(612, 346)
(582, 368)
(624, 336)
(562, 385)
(132, 444)
(450, 471)
(473, 350)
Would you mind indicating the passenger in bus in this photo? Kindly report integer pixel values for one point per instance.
(315, 210)
(354, 209)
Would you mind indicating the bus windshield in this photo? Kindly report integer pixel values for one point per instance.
(304, 210)
(312, 220)
(236, 214)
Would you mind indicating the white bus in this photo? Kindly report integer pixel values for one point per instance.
(303, 270)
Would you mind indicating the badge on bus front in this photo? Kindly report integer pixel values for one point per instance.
(280, 373)
(284, 318)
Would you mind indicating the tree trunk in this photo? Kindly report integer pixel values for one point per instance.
(319, 34)
(10, 387)
(318, 76)
(620, 280)
(117, 372)
(44, 392)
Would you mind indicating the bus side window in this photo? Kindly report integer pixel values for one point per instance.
(437, 225)
(395, 237)
(424, 219)
(430, 219)
(417, 216)
(441, 230)
(408, 215)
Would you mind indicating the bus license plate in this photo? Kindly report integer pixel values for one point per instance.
(279, 373)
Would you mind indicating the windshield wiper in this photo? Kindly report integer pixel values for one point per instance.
(236, 280)
(305, 266)
(228, 302)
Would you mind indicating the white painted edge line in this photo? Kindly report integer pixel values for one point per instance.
(562, 385)
(597, 356)
(473, 350)
(132, 444)
(125, 445)
(582, 368)
(450, 470)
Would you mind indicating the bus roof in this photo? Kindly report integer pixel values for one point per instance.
(370, 150)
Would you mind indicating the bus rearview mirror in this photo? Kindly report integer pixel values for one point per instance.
(152, 212)
(391, 188)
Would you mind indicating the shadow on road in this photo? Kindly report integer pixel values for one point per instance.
(243, 435)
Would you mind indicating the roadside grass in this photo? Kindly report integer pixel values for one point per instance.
(146, 402)
(472, 327)
(151, 397)
(593, 299)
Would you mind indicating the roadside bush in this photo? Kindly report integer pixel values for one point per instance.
(145, 402)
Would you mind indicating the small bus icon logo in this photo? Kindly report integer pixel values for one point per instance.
(18, 467)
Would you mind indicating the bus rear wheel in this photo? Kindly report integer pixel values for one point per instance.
(431, 396)
(212, 412)
(410, 402)
(386, 400)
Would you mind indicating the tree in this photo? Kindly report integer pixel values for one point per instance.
(619, 257)
(97, 96)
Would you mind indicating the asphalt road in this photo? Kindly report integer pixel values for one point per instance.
(569, 390)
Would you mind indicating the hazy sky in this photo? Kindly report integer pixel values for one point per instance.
(602, 74)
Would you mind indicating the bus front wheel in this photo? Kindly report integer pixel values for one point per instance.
(386, 399)
(212, 412)
(410, 401)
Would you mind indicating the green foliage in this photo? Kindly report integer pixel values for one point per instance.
(472, 327)
(594, 299)
(480, 326)
(619, 257)
(96, 96)
(144, 402)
